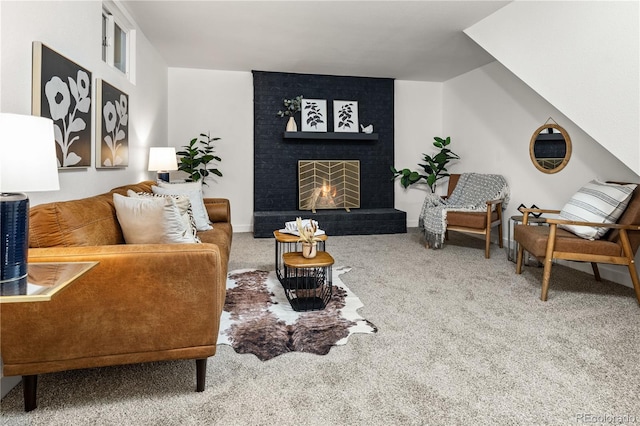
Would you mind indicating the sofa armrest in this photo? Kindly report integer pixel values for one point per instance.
(218, 209)
(140, 303)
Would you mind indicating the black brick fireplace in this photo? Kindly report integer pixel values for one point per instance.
(276, 156)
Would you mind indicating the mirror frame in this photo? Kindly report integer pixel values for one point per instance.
(567, 141)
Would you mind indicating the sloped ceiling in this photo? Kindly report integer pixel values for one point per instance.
(408, 40)
(581, 56)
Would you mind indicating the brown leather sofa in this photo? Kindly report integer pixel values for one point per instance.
(141, 303)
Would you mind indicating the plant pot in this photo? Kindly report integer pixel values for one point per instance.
(309, 250)
(291, 125)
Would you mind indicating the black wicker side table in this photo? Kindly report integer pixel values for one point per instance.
(307, 282)
(286, 243)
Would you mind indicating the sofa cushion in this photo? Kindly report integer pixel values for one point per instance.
(184, 206)
(86, 222)
(151, 220)
(597, 202)
(192, 190)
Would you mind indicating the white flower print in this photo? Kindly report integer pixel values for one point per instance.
(59, 95)
(115, 117)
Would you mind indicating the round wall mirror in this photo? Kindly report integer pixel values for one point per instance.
(550, 148)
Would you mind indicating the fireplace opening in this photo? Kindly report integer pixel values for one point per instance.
(328, 184)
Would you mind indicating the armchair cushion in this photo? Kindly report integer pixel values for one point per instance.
(535, 238)
(597, 202)
(477, 220)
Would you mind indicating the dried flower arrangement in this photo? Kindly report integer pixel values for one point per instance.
(307, 232)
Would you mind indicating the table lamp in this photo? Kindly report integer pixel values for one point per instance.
(27, 163)
(162, 159)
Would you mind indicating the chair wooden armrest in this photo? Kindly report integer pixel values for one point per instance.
(530, 210)
(498, 201)
(556, 221)
(525, 213)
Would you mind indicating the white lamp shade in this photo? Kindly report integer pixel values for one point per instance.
(162, 158)
(27, 154)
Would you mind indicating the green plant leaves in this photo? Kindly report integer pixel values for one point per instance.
(195, 157)
(434, 167)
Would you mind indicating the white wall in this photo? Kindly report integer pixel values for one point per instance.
(73, 29)
(221, 103)
(417, 120)
(582, 56)
(491, 115)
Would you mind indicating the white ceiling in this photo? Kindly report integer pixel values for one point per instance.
(406, 40)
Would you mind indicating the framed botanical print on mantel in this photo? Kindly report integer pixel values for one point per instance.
(345, 116)
(314, 115)
(61, 90)
(112, 126)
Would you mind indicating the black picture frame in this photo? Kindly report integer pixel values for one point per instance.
(61, 90)
(112, 126)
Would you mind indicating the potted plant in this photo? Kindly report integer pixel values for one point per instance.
(291, 107)
(434, 167)
(308, 239)
(196, 156)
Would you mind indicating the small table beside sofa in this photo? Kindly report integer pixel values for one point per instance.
(140, 303)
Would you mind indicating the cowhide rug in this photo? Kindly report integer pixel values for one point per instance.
(258, 318)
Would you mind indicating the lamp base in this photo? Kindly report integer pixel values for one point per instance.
(163, 176)
(16, 287)
(14, 244)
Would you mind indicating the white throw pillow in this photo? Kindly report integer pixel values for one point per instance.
(150, 220)
(597, 202)
(184, 206)
(193, 190)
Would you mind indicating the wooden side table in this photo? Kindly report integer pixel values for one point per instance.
(286, 243)
(308, 282)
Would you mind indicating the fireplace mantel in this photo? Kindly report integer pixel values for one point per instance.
(332, 136)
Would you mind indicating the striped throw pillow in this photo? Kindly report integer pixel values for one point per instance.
(184, 206)
(597, 202)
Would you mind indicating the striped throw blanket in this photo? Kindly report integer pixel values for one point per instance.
(470, 194)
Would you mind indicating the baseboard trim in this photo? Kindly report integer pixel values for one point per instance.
(8, 383)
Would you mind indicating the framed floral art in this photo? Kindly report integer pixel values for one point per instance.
(112, 130)
(61, 90)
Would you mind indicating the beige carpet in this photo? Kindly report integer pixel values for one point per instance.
(462, 340)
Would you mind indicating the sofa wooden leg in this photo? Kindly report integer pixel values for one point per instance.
(30, 388)
(596, 271)
(201, 374)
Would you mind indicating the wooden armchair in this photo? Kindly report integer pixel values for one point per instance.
(618, 246)
(475, 222)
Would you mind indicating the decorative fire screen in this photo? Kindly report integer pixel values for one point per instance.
(328, 184)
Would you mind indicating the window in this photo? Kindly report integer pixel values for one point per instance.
(118, 40)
